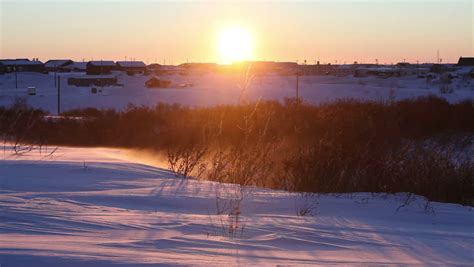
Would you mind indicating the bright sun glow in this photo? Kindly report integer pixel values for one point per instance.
(235, 44)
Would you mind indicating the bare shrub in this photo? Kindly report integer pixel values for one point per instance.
(18, 125)
(428, 207)
(407, 200)
(243, 163)
(187, 161)
(306, 204)
(228, 203)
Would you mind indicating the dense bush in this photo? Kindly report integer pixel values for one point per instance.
(420, 145)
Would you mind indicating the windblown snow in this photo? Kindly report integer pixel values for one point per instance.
(102, 207)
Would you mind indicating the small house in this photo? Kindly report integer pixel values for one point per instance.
(384, 72)
(22, 65)
(157, 83)
(131, 67)
(75, 67)
(443, 68)
(466, 61)
(344, 70)
(317, 69)
(55, 65)
(361, 72)
(365, 70)
(86, 81)
(100, 67)
(154, 67)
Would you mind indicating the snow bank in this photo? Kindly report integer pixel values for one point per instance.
(103, 207)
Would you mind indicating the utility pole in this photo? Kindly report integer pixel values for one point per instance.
(59, 96)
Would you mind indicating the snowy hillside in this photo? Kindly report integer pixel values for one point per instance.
(201, 89)
(101, 207)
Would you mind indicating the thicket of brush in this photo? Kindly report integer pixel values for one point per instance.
(422, 146)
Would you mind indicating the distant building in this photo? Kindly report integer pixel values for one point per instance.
(407, 69)
(443, 68)
(157, 83)
(466, 61)
(21, 65)
(361, 72)
(286, 66)
(403, 64)
(317, 69)
(344, 70)
(154, 66)
(100, 67)
(131, 66)
(55, 65)
(170, 70)
(75, 67)
(381, 71)
(385, 72)
(87, 81)
(198, 66)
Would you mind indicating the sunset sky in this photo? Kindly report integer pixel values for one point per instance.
(346, 31)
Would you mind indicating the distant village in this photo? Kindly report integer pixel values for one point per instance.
(100, 73)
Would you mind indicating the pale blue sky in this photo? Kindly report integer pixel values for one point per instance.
(286, 31)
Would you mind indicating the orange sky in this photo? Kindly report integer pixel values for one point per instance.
(176, 32)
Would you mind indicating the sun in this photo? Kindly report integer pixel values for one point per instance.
(234, 44)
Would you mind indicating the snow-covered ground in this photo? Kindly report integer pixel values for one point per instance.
(101, 207)
(213, 89)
